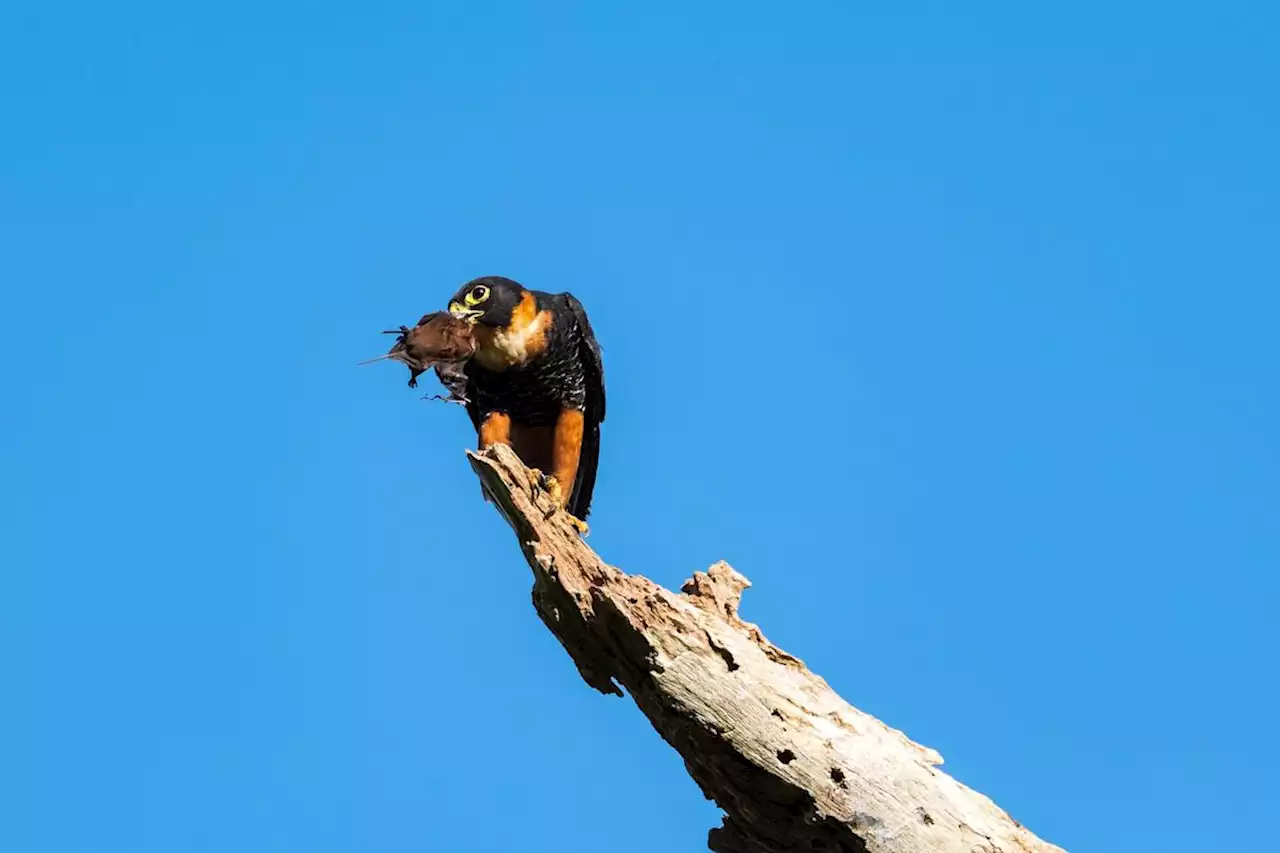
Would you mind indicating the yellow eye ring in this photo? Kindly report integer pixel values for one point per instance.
(478, 294)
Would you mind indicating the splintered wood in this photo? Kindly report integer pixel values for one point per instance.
(793, 766)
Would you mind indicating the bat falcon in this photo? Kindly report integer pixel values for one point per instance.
(534, 382)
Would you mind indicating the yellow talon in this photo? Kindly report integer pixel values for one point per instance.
(549, 484)
(553, 488)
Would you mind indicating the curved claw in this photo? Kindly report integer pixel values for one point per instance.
(550, 485)
(578, 524)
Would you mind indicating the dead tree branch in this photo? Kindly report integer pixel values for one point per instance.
(794, 766)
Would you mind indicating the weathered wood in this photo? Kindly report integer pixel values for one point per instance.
(794, 766)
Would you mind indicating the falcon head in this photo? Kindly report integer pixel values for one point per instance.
(489, 300)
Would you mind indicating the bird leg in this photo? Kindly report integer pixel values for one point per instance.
(566, 450)
(550, 454)
(533, 445)
(495, 429)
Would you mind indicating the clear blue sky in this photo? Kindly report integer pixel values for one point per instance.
(952, 327)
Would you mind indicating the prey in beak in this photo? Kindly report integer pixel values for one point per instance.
(440, 338)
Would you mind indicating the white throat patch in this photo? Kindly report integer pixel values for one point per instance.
(512, 347)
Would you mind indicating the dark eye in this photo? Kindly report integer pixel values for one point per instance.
(479, 293)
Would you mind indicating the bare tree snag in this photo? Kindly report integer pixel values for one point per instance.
(794, 766)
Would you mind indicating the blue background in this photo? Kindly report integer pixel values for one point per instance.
(951, 326)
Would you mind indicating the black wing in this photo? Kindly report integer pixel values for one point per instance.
(593, 365)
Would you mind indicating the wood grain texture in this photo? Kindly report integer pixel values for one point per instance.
(794, 766)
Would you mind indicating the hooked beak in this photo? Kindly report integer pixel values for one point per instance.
(462, 312)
